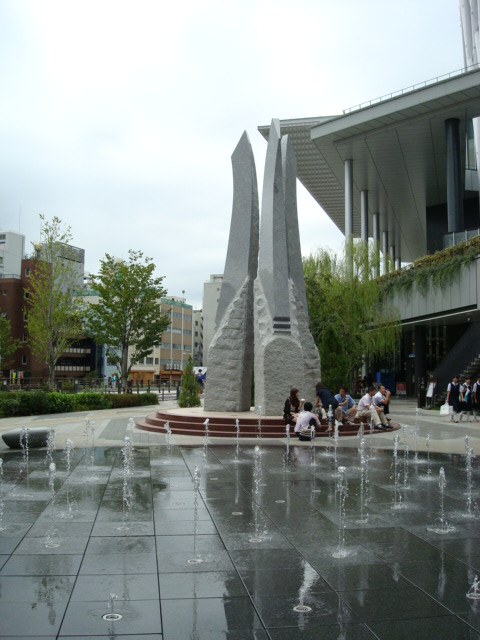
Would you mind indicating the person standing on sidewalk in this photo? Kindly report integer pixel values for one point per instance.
(466, 399)
(476, 398)
(453, 397)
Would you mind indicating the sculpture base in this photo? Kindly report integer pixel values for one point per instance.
(190, 422)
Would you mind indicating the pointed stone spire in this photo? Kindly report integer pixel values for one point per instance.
(230, 356)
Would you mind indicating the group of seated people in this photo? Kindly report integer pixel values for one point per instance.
(341, 407)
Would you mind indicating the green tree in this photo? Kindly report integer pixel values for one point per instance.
(8, 345)
(189, 391)
(348, 322)
(53, 312)
(127, 314)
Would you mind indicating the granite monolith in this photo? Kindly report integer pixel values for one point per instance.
(230, 356)
(285, 355)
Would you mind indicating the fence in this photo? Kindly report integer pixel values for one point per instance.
(79, 385)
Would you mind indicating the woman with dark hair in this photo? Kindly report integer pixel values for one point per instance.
(292, 407)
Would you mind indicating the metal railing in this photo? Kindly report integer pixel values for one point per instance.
(457, 237)
(459, 357)
(410, 89)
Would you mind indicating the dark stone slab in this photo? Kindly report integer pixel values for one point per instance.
(37, 437)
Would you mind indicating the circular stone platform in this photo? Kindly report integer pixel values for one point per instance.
(191, 421)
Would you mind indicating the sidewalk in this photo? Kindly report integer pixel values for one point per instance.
(111, 427)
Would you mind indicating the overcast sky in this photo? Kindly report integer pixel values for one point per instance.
(120, 117)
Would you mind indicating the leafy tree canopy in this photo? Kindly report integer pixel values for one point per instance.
(127, 314)
(8, 345)
(347, 320)
(54, 313)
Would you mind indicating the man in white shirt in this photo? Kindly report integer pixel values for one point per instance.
(382, 399)
(306, 418)
(364, 410)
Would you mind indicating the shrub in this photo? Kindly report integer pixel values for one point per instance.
(90, 400)
(189, 391)
(124, 400)
(28, 403)
(31, 403)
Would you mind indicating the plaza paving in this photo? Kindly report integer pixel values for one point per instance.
(260, 536)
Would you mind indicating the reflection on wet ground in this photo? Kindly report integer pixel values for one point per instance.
(267, 543)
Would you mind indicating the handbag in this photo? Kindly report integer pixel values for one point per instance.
(446, 409)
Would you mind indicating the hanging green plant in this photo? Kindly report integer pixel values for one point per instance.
(438, 270)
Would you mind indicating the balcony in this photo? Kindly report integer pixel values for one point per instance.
(445, 284)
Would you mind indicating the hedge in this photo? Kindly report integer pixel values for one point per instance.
(28, 403)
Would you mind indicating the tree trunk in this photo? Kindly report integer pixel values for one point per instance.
(124, 371)
(51, 376)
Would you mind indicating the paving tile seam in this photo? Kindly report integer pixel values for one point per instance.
(85, 549)
(251, 599)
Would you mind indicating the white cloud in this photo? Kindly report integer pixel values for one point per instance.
(120, 117)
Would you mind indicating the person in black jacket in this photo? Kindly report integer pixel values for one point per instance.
(325, 399)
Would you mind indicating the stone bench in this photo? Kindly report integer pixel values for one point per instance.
(37, 437)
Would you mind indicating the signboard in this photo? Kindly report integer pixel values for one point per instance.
(401, 388)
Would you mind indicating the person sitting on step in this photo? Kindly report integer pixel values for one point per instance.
(347, 404)
(293, 406)
(365, 410)
(306, 418)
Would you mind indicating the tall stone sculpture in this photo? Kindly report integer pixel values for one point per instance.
(285, 354)
(230, 356)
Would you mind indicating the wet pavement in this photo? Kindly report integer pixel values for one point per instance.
(206, 540)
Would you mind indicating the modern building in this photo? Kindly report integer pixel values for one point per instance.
(401, 170)
(12, 252)
(166, 362)
(198, 337)
(81, 359)
(211, 295)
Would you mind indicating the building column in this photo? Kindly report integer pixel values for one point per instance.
(364, 231)
(348, 200)
(364, 215)
(392, 252)
(420, 359)
(376, 243)
(454, 176)
(385, 252)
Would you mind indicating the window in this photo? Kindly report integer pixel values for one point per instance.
(24, 359)
(4, 292)
(149, 360)
(27, 272)
(156, 360)
(1, 261)
(3, 237)
(4, 314)
(26, 295)
(25, 337)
